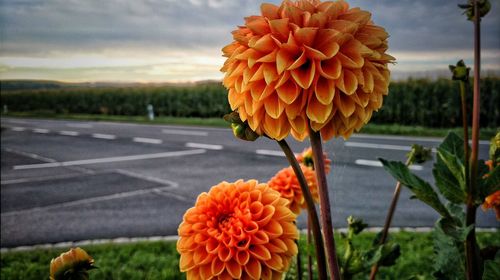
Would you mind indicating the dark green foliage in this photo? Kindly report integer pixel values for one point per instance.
(199, 100)
(413, 102)
(436, 103)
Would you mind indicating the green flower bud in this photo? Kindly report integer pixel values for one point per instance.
(460, 72)
(419, 154)
(240, 129)
(355, 225)
(484, 6)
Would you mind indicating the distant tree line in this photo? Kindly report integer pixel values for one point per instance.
(430, 103)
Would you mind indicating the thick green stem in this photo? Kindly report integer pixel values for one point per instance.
(473, 270)
(311, 209)
(388, 218)
(324, 203)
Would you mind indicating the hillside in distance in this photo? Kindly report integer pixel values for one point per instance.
(15, 85)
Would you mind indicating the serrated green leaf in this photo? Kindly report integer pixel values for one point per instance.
(422, 190)
(453, 144)
(492, 268)
(453, 229)
(449, 169)
(449, 261)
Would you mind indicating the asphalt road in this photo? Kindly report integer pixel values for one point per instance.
(70, 181)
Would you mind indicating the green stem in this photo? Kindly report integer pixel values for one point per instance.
(311, 209)
(463, 97)
(324, 203)
(473, 270)
(309, 255)
(388, 218)
(299, 261)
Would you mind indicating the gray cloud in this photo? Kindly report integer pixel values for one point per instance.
(126, 28)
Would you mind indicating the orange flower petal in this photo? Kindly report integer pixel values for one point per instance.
(253, 269)
(304, 75)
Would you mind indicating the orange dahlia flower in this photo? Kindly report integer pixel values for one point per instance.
(493, 201)
(287, 184)
(306, 158)
(240, 230)
(307, 63)
(72, 264)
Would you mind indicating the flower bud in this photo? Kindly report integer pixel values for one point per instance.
(73, 264)
(460, 72)
(484, 7)
(419, 154)
(240, 129)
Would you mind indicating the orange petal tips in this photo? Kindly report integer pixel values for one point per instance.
(307, 63)
(240, 230)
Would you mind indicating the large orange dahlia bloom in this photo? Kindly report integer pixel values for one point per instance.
(240, 230)
(287, 184)
(307, 63)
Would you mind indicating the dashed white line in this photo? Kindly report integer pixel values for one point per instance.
(270, 153)
(69, 133)
(185, 132)
(147, 140)
(103, 136)
(41, 130)
(204, 146)
(376, 163)
(18, 128)
(377, 146)
(79, 125)
(111, 159)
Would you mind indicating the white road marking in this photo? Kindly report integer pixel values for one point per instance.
(185, 132)
(30, 155)
(79, 125)
(86, 201)
(18, 128)
(147, 178)
(103, 136)
(147, 140)
(377, 146)
(408, 138)
(69, 133)
(204, 146)
(111, 159)
(41, 130)
(376, 163)
(270, 153)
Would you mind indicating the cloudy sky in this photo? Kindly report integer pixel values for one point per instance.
(180, 40)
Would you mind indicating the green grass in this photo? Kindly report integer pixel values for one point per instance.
(388, 129)
(159, 260)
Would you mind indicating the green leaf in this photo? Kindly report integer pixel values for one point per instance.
(449, 262)
(419, 187)
(454, 230)
(390, 253)
(492, 268)
(449, 169)
(491, 183)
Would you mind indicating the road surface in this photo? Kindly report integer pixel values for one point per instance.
(72, 180)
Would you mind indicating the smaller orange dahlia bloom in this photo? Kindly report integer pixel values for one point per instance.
(287, 184)
(306, 158)
(240, 230)
(72, 264)
(493, 201)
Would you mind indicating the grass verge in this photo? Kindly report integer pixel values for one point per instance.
(160, 260)
(388, 129)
